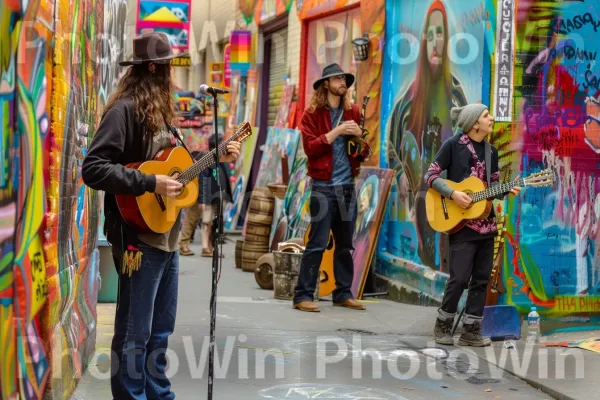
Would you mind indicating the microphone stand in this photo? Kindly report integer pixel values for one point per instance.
(217, 232)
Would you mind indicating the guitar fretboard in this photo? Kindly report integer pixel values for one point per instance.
(496, 190)
(209, 159)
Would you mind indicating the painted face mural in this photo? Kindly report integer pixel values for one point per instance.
(437, 74)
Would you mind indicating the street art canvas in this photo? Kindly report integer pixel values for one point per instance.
(169, 17)
(295, 202)
(279, 141)
(242, 173)
(372, 192)
(552, 243)
(437, 51)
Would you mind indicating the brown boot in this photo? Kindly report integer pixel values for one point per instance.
(308, 306)
(471, 336)
(185, 251)
(351, 304)
(442, 332)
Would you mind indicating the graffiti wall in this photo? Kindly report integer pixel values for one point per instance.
(23, 288)
(372, 15)
(262, 11)
(433, 61)
(51, 83)
(552, 246)
(330, 41)
(315, 8)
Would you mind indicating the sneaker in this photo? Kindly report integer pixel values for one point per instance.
(442, 332)
(471, 336)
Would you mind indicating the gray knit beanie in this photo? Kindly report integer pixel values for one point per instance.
(466, 116)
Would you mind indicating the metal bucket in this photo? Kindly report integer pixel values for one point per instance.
(285, 275)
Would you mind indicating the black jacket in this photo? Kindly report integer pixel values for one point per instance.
(119, 140)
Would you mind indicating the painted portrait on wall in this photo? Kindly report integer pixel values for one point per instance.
(438, 52)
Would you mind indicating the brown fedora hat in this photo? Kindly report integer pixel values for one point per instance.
(152, 47)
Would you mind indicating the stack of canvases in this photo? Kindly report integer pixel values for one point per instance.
(49, 91)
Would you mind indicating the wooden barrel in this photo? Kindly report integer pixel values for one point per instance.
(239, 246)
(251, 252)
(260, 209)
(285, 275)
(263, 273)
(258, 233)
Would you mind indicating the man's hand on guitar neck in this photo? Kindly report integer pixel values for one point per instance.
(167, 186)
(462, 199)
(233, 152)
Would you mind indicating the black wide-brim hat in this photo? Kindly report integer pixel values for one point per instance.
(333, 70)
(152, 47)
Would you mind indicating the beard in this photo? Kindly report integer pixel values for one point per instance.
(340, 91)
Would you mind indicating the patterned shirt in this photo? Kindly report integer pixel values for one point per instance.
(462, 157)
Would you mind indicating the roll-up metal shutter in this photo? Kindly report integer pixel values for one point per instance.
(277, 70)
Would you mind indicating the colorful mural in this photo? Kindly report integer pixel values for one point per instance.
(262, 11)
(372, 14)
(49, 96)
(552, 246)
(438, 52)
(23, 94)
(330, 41)
(169, 17)
(315, 8)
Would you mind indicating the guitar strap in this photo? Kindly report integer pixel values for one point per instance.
(178, 137)
(488, 161)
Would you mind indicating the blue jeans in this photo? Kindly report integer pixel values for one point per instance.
(330, 209)
(145, 318)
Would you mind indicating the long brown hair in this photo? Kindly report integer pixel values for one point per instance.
(319, 99)
(422, 99)
(152, 95)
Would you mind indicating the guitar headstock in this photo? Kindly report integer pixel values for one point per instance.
(541, 178)
(242, 132)
(366, 100)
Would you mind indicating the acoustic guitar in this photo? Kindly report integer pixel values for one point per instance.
(444, 215)
(154, 213)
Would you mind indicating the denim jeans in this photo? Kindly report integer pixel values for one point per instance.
(330, 209)
(145, 317)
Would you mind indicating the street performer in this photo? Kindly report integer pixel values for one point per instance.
(137, 123)
(327, 124)
(472, 247)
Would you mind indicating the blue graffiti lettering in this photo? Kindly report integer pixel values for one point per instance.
(566, 26)
(591, 80)
(580, 54)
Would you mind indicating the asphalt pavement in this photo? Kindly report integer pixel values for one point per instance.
(267, 350)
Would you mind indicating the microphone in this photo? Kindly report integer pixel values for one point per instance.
(211, 91)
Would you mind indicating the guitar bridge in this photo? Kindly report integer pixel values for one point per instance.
(161, 202)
